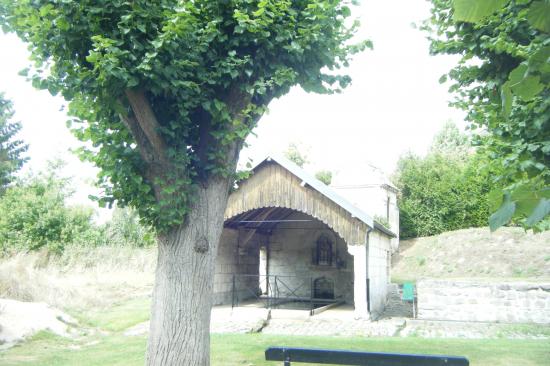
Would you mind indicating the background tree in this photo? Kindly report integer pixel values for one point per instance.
(446, 190)
(11, 150)
(502, 81)
(293, 154)
(450, 141)
(35, 215)
(125, 229)
(166, 92)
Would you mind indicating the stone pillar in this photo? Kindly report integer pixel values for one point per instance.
(359, 254)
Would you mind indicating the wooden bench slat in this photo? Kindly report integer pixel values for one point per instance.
(355, 358)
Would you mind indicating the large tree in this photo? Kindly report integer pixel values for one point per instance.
(166, 92)
(502, 81)
(11, 149)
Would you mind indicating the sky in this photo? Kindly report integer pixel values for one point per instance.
(394, 105)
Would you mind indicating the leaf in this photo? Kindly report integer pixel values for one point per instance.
(495, 199)
(259, 12)
(522, 84)
(526, 198)
(539, 213)
(475, 10)
(503, 215)
(506, 97)
(517, 75)
(346, 12)
(528, 88)
(540, 58)
(539, 15)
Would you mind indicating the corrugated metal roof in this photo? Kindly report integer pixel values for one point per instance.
(325, 191)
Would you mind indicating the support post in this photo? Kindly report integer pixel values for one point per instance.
(286, 354)
(359, 280)
(233, 293)
(311, 295)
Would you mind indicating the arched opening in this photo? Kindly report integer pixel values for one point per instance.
(283, 258)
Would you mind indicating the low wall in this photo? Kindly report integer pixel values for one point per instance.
(511, 302)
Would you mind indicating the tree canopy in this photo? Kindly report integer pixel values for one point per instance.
(446, 190)
(11, 149)
(502, 81)
(166, 90)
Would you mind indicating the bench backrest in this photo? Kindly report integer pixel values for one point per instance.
(354, 358)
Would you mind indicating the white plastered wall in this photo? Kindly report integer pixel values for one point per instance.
(378, 268)
(377, 200)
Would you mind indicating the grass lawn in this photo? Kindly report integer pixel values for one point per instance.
(109, 346)
(248, 349)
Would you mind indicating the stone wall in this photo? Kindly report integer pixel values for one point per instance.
(290, 253)
(290, 249)
(490, 302)
(233, 259)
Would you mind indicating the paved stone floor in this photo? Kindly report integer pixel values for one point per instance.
(341, 321)
(338, 321)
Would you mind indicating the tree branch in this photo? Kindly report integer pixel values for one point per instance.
(147, 121)
(144, 147)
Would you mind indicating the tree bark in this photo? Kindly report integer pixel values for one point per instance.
(182, 297)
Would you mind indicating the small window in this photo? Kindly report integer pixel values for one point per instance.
(323, 251)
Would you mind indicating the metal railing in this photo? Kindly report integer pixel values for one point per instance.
(280, 291)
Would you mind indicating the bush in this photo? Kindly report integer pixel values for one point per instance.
(447, 190)
(125, 229)
(34, 216)
(439, 193)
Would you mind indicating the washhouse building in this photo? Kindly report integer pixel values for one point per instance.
(291, 241)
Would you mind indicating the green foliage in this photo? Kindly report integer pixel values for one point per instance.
(503, 82)
(474, 11)
(324, 176)
(125, 229)
(167, 91)
(382, 221)
(293, 154)
(451, 141)
(443, 191)
(35, 216)
(11, 150)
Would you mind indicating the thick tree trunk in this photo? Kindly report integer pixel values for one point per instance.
(182, 297)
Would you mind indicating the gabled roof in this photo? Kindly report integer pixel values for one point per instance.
(325, 190)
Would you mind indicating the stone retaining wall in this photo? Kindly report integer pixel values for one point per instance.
(511, 302)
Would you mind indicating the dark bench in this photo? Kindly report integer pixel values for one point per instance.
(354, 358)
